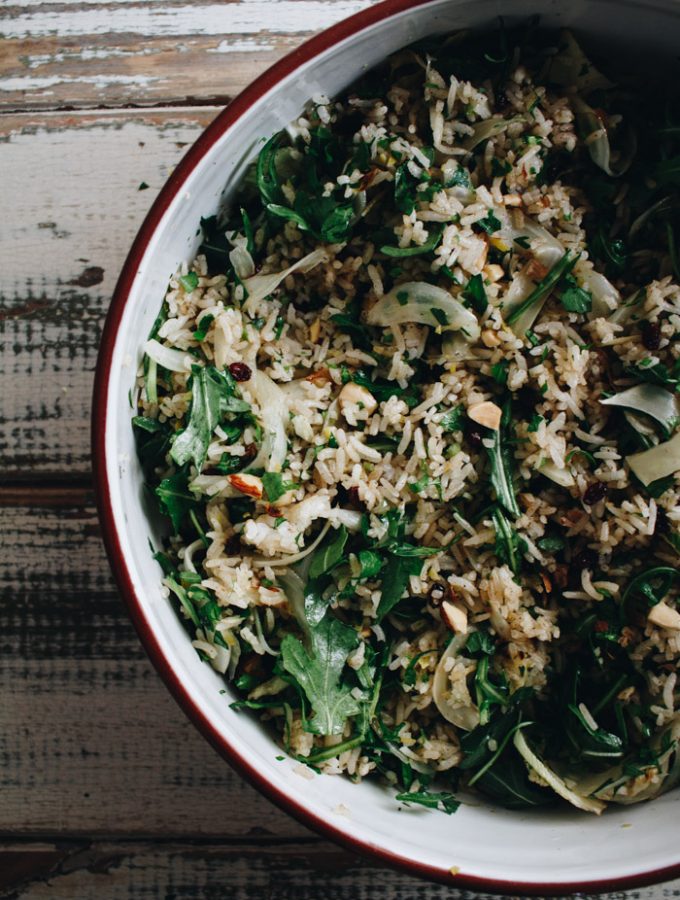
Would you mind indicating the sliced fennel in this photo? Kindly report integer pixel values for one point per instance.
(274, 415)
(570, 67)
(488, 128)
(173, 360)
(587, 804)
(651, 399)
(657, 462)
(261, 286)
(426, 304)
(523, 316)
(597, 140)
(464, 717)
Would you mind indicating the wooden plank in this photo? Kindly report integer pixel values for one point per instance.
(68, 215)
(90, 740)
(120, 871)
(107, 53)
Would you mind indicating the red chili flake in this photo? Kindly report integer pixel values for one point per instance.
(240, 371)
(601, 626)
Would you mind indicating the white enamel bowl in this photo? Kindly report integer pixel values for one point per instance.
(480, 847)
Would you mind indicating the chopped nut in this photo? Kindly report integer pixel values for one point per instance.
(247, 484)
(536, 270)
(319, 377)
(493, 272)
(487, 414)
(355, 394)
(315, 330)
(490, 338)
(561, 575)
(455, 617)
(664, 616)
(546, 583)
(512, 200)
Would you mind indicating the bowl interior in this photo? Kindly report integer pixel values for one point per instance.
(558, 847)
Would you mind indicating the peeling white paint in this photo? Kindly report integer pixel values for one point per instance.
(42, 83)
(245, 17)
(85, 55)
(247, 45)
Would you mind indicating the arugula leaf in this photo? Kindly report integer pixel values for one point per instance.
(152, 439)
(480, 643)
(371, 563)
(319, 673)
(411, 551)
(405, 193)
(429, 246)
(211, 398)
(267, 176)
(501, 472)
(337, 224)
(285, 212)
(475, 294)
(441, 800)
(382, 388)
(275, 485)
(499, 371)
(175, 500)
(395, 581)
(510, 547)
(329, 554)
(574, 298)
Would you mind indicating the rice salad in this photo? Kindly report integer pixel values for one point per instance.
(412, 416)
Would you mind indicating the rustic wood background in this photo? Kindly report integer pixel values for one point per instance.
(106, 790)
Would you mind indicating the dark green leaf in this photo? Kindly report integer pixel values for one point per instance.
(175, 499)
(475, 294)
(371, 563)
(544, 287)
(275, 486)
(453, 419)
(576, 299)
(285, 212)
(203, 327)
(329, 554)
(490, 223)
(395, 580)
(319, 673)
(429, 246)
(442, 800)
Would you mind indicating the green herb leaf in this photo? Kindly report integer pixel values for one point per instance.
(576, 299)
(175, 499)
(429, 246)
(490, 223)
(453, 419)
(329, 554)
(475, 294)
(319, 673)
(371, 563)
(276, 486)
(441, 800)
(212, 396)
(395, 580)
(189, 281)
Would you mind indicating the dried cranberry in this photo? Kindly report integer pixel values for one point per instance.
(594, 493)
(438, 593)
(240, 371)
(651, 335)
(586, 559)
(353, 496)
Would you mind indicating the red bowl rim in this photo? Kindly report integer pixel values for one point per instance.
(193, 157)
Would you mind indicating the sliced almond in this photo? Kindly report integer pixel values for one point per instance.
(454, 617)
(357, 394)
(512, 200)
(487, 414)
(250, 485)
(536, 270)
(319, 377)
(490, 338)
(664, 616)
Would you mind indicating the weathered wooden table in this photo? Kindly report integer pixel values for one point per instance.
(106, 790)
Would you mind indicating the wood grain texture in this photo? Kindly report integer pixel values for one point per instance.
(79, 54)
(69, 208)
